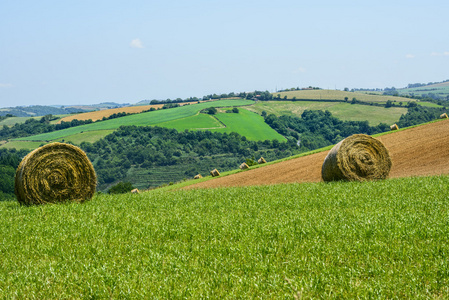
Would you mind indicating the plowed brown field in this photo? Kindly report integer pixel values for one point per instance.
(419, 151)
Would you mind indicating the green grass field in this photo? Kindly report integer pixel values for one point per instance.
(344, 111)
(384, 239)
(340, 95)
(143, 119)
(196, 122)
(441, 89)
(13, 120)
(248, 124)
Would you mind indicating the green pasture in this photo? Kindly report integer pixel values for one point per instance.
(248, 124)
(344, 111)
(441, 89)
(30, 145)
(345, 240)
(340, 95)
(429, 104)
(198, 121)
(14, 120)
(89, 136)
(142, 119)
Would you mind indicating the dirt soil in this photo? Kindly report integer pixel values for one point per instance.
(419, 151)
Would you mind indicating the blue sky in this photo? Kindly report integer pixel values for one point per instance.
(85, 52)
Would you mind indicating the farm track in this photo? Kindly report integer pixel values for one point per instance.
(419, 151)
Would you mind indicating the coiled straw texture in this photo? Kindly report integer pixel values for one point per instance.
(55, 173)
(359, 157)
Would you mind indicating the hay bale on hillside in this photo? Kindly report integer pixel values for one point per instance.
(55, 173)
(198, 176)
(214, 173)
(261, 160)
(244, 166)
(394, 127)
(135, 191)
(359, 157)
(443, 116)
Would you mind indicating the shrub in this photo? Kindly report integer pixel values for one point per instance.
(121, 188)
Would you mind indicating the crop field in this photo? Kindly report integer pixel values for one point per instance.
(100, 114)
(441, 89)
(13, 120)
(340, 95)
(384, 239)
(143, 119)
(248, 124)
(198, 121)
(344, 111)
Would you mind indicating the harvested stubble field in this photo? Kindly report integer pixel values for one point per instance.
(418, 151)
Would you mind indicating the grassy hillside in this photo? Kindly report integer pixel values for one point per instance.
(13, 120)
(344, 111)
(340, 95)
(385, 239)
(143, 119)
(246, 123)
(439, 89)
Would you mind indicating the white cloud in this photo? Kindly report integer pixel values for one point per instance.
(410, 56)
(5, 85)
(136, 43)
(445, 53)
(300, 70)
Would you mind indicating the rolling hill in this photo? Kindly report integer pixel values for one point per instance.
(418, 151)
(142, 119)
(439, 89)
(329, 95)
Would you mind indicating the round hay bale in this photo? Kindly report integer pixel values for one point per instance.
(394, 127)
(443, 116)
(261, 160)
(198, 176)
(359, 157)
(55, 173)
(214, 173)
(244, 166)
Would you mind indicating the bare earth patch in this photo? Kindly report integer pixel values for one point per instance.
(419, 151)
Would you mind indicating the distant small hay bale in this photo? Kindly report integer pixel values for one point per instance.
(244, 166)
(261, 160)
(55, 173)
(198, 176)
(135, 191)
(443, 116)
(214, 173)
(359, 157)
(394, 127)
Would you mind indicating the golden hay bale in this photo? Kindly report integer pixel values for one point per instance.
(55, 173)
(135, 191)
(261, 160)
(214, 173)
(244, 166)
(359, 157)
(443, 116)
(394, 127)
(198, 176)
